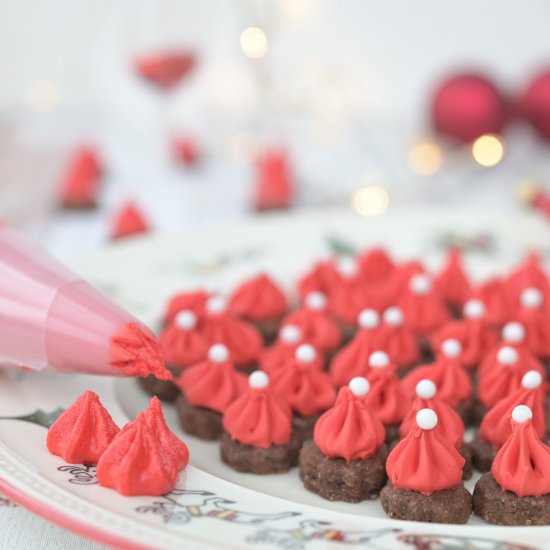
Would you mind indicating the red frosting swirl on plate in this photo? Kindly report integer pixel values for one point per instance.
(475, 336)
(317, 328)
(242, 339)
(211, 384)
(523, 462)
(449, 425)
(529, 273)
(303, 386)
(83, 431)
(425, 462)
(375, 266)
(321, 278)
(136, 463)
(496, 428)
(353, 359)
(182, 347)
(496, 299)
(349, 430)
(193, 301)
(258, 299)
(537, 327)
(453, 283)
(386, 398)
(453, 382)
(397, 339)
(259, 418)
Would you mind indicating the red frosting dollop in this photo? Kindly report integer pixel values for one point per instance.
(452, 283)
(386, 398)
(475, 336)
(349, 297)
(496, 380)
(523, 462)
(242, 339)
(322, 278)
(81, 182)
(136, 463)
(496, 428)
(425, 462)
(349, 429)
(495, 297)
(449, 423)
(259, 418)
(212, 385)
(375, 266)
(154, 418)
(129, 221)
(182, 347)
(193, 301)
(537, 328)
(318, 329)
(135, 351)
(424, 312)
(400, 343)
(450, 377)
(304, 387)
(529, 273)
(82, 432)
(258, 299)
(353, 359)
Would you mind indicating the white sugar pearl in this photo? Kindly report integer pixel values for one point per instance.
(359, 386)
(426, 419)
(316, 301)
(451, 348)
(425, 389)
(216, 304)
(258, 379)
(513, 333)
(290, 334)
(474, 309)
(394, 316)
(379, 359)
(305, 353)
(420, 284)
(186, 320)
(531, 380)
(368, 319)
(531, 298)
(522, 413)
(347, 267)
(507, 356)
(218, 353)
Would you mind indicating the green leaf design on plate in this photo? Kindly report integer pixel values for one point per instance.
(39, 417)
(339, 246)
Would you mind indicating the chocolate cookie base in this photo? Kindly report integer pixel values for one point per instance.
(478, 411)
(464, 409)
(447, 506)
(268, 329)
(163, 389)
(392, 435)
(304, 425)
(256, 460)
(199, 421)
(494, 505)
(466, 452)
(483, 454)
(337, 479)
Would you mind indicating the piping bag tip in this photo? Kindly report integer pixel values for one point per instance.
(136, 351)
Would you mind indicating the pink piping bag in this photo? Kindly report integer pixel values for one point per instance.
(50, 317)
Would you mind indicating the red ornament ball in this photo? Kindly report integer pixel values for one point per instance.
(467, 106)
(535, 104)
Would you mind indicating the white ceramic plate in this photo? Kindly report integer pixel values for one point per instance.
(213, 506)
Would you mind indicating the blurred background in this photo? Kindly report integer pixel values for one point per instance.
(139, 115)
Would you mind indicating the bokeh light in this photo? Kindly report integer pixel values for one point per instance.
(425, 158)
(254, 42)
(488, 150)
(370, 201)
